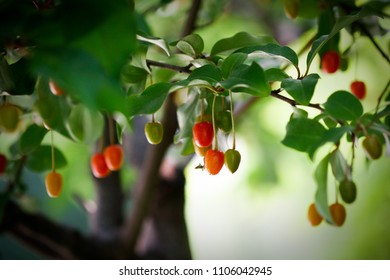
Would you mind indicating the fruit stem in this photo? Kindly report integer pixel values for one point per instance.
(52, 151)
(153, 120)
(232, 116)
(213, 119)
(201, 109)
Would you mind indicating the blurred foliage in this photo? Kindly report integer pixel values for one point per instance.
(103, 60)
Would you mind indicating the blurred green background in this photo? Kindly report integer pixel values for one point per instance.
(260, 212)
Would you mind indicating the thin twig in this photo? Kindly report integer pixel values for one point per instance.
(181, 69)
(368, 34)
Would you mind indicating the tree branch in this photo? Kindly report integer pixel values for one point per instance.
(148, 179)
(368, 34)
(53, 239)
(180, 69)
(155, 154)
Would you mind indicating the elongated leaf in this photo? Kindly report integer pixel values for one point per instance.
(248, 79)
(159, 42)
(149, 101)
(301, 90)
(40, 159)
(239, 40)
(186, 115)
(32, 138)
(304, 135)
(343, 105)
(340, 167)
(321, 196)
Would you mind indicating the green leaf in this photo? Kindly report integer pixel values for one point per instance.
(304, 135)
(232, 62)
(275, 75)
(301, 90)
(161, 43)
(248, 79)
(111, 48)
(339, 165)
(16, 79)
(149, 101)
(209, 73)
(84, 124)
(32, 138)
(321, 196)
(343, 105)
(192, 45)
(239, 40)
(40, 159)
(134, 77)
(334, 134)
(205, 76)
(275, 50)
(186, 115)
(54, 110)
(75, 70)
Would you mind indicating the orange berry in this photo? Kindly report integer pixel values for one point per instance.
(53, 184)
(214, 161)
(314, 217)
(338, 214)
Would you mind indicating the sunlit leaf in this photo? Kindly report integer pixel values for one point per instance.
(275, 50)
(239, 40)
(340, 167)
(159, 42)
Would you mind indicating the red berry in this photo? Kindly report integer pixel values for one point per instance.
(358, 88)
(214, 161)
(330, 62)
(203, 133)
(99, 166)
(113, 156)
(3, 163)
